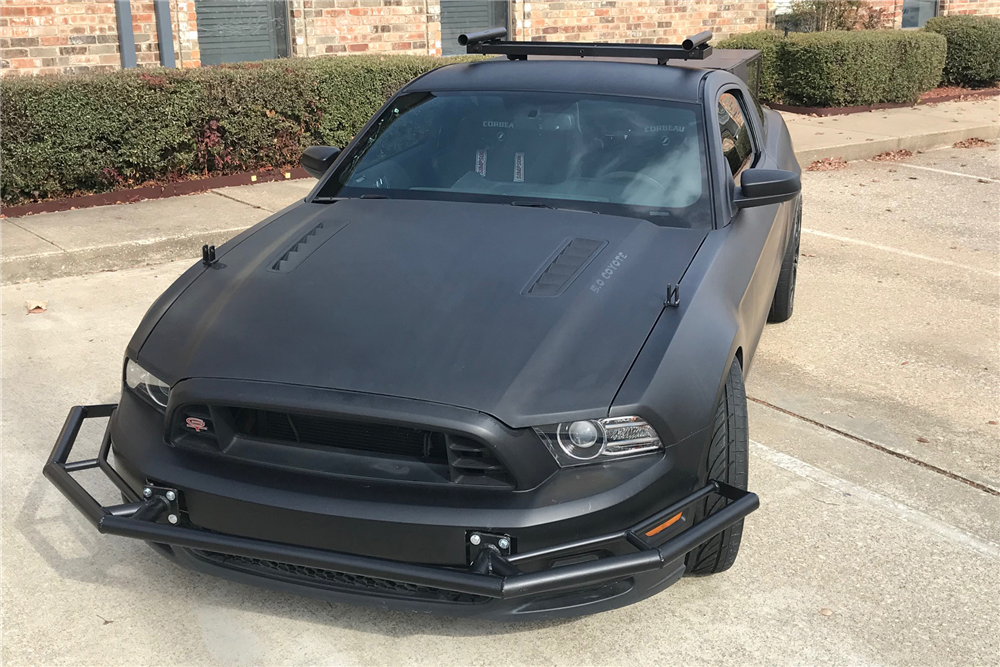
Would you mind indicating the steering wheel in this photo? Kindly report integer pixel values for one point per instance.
(633, 175)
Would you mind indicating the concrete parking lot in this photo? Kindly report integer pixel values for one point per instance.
(875, 453)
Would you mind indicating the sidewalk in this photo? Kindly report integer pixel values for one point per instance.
(864, 135)
(108, 238)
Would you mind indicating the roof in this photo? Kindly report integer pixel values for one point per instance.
(605, 76)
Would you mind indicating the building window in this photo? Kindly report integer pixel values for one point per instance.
(232, 31)
(917, 12)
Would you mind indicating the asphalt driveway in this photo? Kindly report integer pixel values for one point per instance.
(873, 414)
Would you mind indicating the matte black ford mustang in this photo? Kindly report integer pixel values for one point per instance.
(492, 365)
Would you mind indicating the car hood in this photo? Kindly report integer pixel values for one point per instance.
(475, 305)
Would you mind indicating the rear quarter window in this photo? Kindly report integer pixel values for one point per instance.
(737, 144)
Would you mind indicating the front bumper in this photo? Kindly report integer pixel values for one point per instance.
(492, 584)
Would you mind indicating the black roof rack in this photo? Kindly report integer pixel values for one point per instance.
(493, 42)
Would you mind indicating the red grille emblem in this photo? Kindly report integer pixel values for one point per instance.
(197, 424)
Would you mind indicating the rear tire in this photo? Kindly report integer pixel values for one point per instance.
(727, 462)
(784, 293)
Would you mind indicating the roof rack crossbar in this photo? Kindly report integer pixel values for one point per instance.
(492, 42)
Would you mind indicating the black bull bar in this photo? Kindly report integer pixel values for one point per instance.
(491, 574)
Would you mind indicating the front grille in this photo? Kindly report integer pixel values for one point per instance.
(442, 457)
(357, 436)
(337, 581)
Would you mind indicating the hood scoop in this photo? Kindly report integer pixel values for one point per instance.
(305, 246)
(570, 260)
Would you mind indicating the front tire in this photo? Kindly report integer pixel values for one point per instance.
(784, 292)
(727, 462)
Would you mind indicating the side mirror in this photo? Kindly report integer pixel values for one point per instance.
(317, 159)
(762, 187)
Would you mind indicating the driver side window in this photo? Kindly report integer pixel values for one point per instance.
(737, 144)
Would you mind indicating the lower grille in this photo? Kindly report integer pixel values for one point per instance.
(337, 581)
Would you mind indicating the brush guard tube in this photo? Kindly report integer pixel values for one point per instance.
(493, 575)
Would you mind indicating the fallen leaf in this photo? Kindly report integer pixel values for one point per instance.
(905, 362)
(993, 422)
(827, 164)
(826, 611)
(922, 439)
(893, 156)
(974, 142)
(34, 307)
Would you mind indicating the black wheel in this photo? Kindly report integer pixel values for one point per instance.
(784, 293)
(727, 462)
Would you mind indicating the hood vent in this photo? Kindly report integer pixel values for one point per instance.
(570, 260)
(304, 247)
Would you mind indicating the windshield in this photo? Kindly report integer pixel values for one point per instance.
(622, 156)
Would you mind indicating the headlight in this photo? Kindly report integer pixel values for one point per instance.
(146, 384)
(595, 440)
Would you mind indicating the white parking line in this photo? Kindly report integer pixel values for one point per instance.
(814, 474)
(945, 171)
(907, 253)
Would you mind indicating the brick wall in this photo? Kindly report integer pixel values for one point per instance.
(663, 21)
(70, 36)
(49, 36)
(185, 29)
(322, 27)
(980, 7)
(53, 36)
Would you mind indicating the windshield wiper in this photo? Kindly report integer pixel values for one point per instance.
(373, 196)
(530, 204)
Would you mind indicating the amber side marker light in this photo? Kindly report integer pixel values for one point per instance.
(666, 524)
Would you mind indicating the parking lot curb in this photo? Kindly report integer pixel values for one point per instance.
(60, 263)
(854, 150)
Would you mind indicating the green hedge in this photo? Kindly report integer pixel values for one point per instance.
(841, 69)
(93, 133)
(973, 49)
(845, 68)
(768, 42)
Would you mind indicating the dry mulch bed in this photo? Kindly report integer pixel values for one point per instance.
(942, 94)
(948, 93)
(151, 191)
(827, 164)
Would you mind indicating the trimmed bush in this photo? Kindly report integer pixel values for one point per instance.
(94, 133)
(768, 42)
(973, 49)
(840, 69)
(844, 68)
